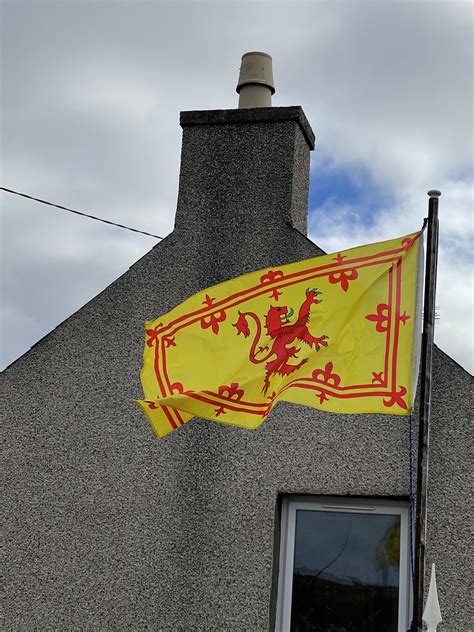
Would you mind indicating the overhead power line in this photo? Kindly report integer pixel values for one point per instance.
(71, 210)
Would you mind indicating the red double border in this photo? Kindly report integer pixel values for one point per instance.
(386, 387)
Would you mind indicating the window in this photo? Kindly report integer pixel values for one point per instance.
(343, 566)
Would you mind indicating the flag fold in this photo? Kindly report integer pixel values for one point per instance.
(336, 332)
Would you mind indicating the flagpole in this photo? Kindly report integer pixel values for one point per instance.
(425, 409)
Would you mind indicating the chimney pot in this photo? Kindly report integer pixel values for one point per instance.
(255, 86)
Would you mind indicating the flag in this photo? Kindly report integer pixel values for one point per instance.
(336, 332)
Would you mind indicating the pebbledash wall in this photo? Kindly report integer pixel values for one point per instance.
(109, 528)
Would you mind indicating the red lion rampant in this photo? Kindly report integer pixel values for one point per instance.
(283, 334)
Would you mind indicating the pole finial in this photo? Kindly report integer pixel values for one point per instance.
(434, 193)
(432, 612)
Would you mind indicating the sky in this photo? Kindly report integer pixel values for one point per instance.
(90, 99)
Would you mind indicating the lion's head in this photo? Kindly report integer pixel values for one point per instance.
(276, 317)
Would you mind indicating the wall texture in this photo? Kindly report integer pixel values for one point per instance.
(109, 528)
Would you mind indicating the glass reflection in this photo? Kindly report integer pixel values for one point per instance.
(346, 572)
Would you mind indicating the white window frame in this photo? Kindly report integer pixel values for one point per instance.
(291, 504)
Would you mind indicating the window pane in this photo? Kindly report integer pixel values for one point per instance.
(346, 572)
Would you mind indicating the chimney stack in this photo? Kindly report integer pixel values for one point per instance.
(244, 178)
(255, 86)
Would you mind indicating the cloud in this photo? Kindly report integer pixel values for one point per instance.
(345, 226)
(52, 264)
(91, 98)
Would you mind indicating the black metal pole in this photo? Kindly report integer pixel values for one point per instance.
(425, 408)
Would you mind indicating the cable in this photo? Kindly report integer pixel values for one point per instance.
(70, 210)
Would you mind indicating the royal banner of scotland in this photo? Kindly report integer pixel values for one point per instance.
(336, 332)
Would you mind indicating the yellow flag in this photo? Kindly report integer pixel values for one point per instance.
(336, 332)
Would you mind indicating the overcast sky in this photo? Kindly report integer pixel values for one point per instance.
(91, 95)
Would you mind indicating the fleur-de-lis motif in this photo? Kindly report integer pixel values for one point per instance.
(213, 320)
(169, 341)
(220, 411)
(270, 276)
(231, 392)
(408, 242)
(404, 317)
(153, 334)
(326, 375)
(208, 301)
(177, 387)
(377, 377)
(339, 258)
(275, 295)
(397, 398)
(322, 396)
(151, 405)
(343, 277)
(381, 318)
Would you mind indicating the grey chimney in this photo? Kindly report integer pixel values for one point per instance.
(244, 176)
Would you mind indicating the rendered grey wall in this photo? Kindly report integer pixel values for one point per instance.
(109, 528)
